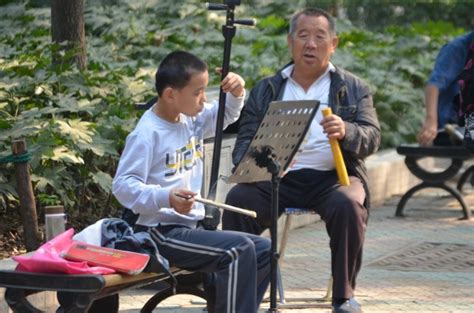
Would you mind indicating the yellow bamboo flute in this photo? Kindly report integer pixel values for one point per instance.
(337, 155)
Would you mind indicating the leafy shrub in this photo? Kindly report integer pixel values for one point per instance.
(75, 122)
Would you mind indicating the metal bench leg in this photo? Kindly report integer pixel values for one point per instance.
(77, 303)
(465, 176)
(454, 192)
(84, 302)
(161, 295)
(403, 201)
(80, 303)
(465, 208)
(17, 301)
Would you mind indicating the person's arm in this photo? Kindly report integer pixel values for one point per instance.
(362, 135)
(449, 63)
(429, 129)
(130, 185)
(233, 85)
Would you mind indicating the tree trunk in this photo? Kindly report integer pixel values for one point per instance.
(27, 199)
(67, 24)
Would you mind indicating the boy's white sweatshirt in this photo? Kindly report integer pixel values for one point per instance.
(160, 156)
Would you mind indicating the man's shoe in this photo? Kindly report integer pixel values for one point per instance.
(350, 305)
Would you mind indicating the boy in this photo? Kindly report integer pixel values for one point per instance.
(163, 160)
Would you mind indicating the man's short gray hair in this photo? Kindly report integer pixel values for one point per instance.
(312, 12)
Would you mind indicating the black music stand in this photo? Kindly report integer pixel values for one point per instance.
(271, 151)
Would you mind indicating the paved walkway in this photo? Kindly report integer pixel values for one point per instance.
(421, 263)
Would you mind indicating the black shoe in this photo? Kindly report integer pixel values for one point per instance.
(350, 305)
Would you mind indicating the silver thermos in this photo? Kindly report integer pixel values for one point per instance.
(54, 221)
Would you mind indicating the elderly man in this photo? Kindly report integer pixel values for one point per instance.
(312, 180)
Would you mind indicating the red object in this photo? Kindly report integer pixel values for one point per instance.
(127, 262)
(47, 259)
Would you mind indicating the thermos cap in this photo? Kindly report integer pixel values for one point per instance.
(54, 209)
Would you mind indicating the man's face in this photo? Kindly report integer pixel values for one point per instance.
(190, 99)
(312, 45)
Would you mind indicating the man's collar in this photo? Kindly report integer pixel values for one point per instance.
(287, 71)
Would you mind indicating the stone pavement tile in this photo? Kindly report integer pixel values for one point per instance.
(429, 220)
(431, 217)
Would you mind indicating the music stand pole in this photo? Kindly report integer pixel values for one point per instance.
(274, 237)
(266, 158)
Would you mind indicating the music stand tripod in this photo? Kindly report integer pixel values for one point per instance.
(271, 151)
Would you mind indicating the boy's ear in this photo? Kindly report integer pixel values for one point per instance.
(168, 94)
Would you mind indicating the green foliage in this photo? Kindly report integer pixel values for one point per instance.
(381, 13)
(75, 122)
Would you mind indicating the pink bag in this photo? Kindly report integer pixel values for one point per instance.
(47, 259)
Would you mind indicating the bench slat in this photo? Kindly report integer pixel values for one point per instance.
(451, 152)
(121, 279)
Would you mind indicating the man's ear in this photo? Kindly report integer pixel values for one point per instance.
(289, 40)
(335, 42)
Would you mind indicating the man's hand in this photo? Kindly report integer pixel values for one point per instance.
(233, 83)
(182, 200)
(334, 127)
(428, 132)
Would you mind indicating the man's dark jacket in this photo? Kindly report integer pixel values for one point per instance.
(349, 98)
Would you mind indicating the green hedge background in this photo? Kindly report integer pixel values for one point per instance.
(75, 122)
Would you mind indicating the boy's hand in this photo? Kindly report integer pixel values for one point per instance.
(182, 200)
(233, 83)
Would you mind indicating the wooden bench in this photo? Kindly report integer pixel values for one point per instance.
(457, 155)
(83, 290)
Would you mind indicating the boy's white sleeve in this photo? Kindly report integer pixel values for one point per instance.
(233, 107)
(130, 185)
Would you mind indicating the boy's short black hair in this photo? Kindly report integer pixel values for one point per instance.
(176, 69)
